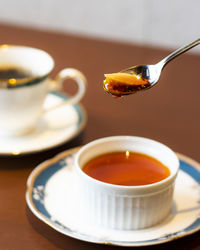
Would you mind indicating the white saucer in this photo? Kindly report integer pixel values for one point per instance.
(51, 196)
(54, 128)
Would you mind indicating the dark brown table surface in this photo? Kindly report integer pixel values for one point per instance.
(169, 113)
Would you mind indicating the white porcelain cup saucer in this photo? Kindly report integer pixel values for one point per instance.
(52, 195)
(54, 128)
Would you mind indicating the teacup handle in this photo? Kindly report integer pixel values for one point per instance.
(57, 84)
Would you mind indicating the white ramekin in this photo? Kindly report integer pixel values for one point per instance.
(125, 207)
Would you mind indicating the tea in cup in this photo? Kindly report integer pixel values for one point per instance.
(24, 84)
(125, 182)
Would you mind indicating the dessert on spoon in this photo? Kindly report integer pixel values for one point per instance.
(140, 77)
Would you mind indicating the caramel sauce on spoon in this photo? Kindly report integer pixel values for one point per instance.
(121, 83)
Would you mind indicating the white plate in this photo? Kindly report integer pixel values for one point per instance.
(51, 196)
(53, 129)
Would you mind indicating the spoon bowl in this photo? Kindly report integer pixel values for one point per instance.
(149, 72)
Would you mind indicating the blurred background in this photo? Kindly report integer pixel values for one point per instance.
(165, 24)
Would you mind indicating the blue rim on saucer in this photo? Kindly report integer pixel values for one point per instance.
(39, 181)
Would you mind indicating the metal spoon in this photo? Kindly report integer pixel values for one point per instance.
(148, 73)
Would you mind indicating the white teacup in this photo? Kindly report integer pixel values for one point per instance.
(22, 99)
(125, 207)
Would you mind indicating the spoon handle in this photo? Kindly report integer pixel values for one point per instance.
(177, 52)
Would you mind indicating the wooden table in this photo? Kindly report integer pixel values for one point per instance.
(169, 113)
